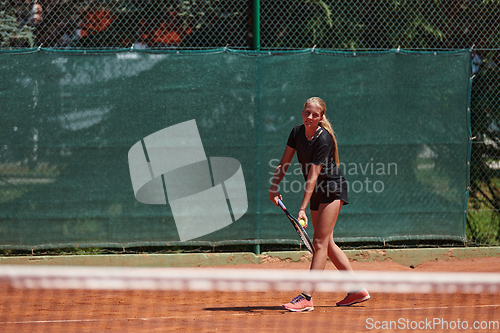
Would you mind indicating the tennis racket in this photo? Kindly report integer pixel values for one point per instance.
(300, 230)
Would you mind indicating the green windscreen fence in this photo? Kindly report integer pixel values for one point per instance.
(69, 120)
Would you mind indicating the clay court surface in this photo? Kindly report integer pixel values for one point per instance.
(23, 310)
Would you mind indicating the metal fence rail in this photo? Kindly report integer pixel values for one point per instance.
(288, 25)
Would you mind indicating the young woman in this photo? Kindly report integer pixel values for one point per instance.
(325, 189)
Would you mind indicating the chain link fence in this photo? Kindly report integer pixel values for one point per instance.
(284, 24)
(154, 24)
(288, 25)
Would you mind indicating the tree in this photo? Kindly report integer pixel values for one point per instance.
(10, 33)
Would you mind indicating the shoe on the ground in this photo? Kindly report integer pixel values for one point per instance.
(299, 304)
(353, 298)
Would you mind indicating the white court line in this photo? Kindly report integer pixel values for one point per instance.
(50, 321)
(430, 308)
(78, 320)
(234, 314)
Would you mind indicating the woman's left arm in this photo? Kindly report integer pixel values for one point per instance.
(314, 171)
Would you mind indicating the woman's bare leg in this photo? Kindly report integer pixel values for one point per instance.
(324, 220)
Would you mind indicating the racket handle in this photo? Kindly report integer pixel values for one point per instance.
(281, 204)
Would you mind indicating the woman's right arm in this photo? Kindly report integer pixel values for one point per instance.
(279, 173)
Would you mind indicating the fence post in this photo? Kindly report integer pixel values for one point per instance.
(256, 25)
(256, 47)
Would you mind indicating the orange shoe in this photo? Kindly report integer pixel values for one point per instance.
(353, 298)
(299, 304)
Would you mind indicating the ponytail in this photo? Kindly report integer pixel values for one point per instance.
(326, 125)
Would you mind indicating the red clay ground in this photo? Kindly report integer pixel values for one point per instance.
(160, 311)
(491, 264)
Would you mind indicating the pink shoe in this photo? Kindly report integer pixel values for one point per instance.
(353, 298)
(299, 304)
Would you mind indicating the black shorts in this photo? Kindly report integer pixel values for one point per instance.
(325, 195)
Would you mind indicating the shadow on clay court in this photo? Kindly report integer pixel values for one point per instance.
(247, 308)
(273, 308)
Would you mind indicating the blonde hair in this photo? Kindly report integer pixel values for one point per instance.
(325, 124)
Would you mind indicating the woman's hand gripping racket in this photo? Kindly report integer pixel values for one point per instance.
(298, 227)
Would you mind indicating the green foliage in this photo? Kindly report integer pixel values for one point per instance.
(9, 30)
(483, 219)
(482, 227)
(289, 24)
